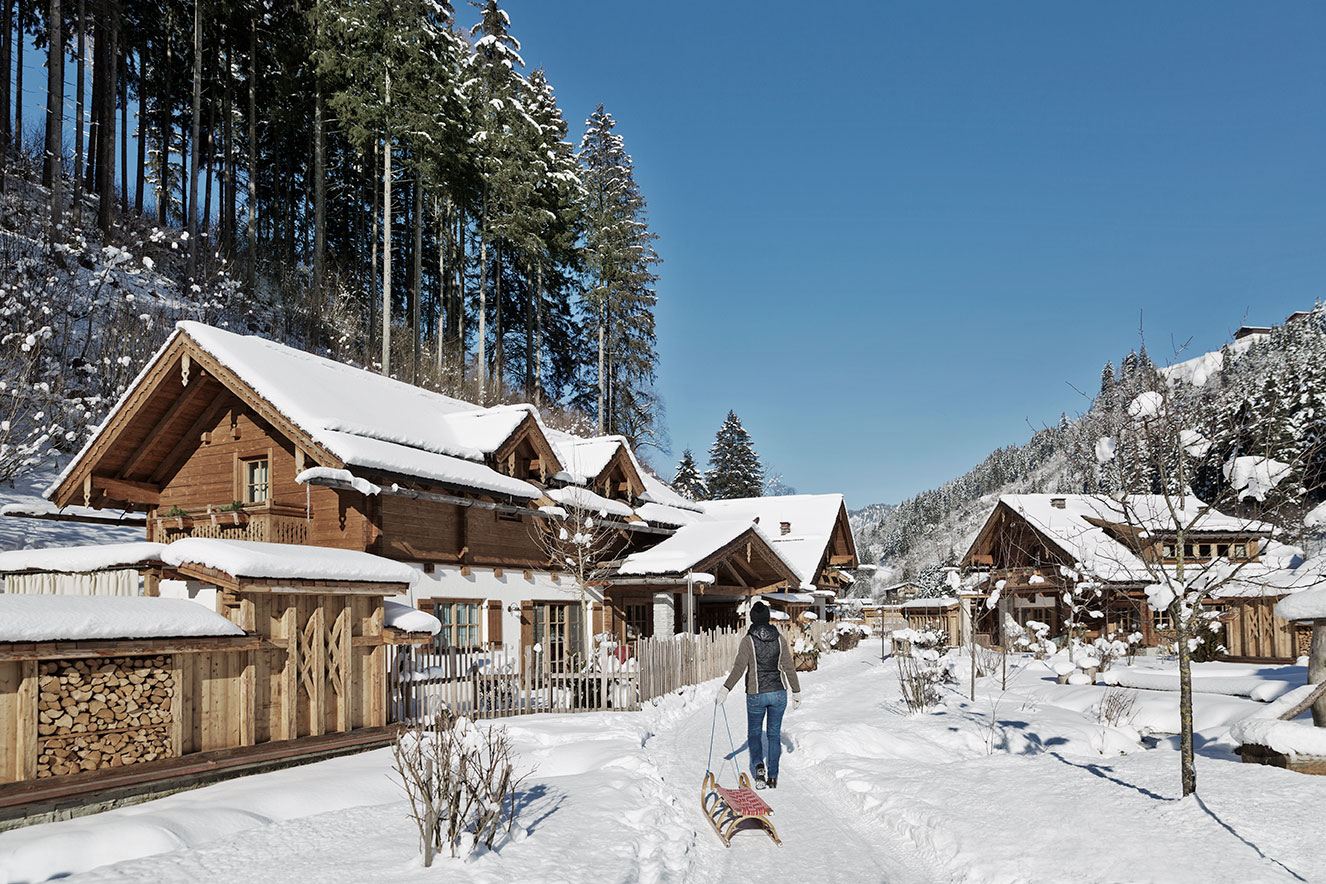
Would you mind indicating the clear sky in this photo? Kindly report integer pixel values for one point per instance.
(894, 233)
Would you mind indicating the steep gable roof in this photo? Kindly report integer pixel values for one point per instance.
(814, 522)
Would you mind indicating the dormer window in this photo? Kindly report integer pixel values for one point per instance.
(1058, 502)
(784, 528)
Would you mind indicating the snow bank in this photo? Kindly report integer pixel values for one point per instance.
(81, 559)
(1287, 737)
(283, 561)
(1310, 604)
(400, 615)
(41, 618)
(1257, 688)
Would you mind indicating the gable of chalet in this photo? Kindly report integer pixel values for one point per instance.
(186, 392)
(738, 555)
(811, 531)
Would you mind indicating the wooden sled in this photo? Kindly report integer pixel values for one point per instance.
(727, 809)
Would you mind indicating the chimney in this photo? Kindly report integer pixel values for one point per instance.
(1058, 502)
(784, 527)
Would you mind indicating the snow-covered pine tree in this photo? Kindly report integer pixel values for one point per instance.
(687, 481)
(734, 467)
(619, 258)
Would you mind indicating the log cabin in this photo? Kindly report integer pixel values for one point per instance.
(1033, 547)
(233, 437)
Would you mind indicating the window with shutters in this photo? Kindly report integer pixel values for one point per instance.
(460, 624)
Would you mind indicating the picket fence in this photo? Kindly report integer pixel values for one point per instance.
(427, 679)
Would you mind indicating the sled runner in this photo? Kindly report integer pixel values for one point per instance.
(727, 809)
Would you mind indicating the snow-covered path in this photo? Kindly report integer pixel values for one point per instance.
(823, 834)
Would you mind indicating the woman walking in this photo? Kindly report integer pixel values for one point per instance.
(765, 659)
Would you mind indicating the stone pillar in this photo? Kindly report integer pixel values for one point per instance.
(1317, 669)
(665, 606)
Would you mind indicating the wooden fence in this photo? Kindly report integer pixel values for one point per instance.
(426, 679)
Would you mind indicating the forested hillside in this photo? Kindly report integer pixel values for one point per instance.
(382, 181)
(1268, 389)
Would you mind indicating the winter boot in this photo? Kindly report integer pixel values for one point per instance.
(759, 776)
(773, 782)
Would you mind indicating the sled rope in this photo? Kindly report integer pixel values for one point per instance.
(708, 765)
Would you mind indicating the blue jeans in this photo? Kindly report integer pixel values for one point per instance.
(775, 704)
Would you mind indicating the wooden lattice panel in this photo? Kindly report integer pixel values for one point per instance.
(338, 667)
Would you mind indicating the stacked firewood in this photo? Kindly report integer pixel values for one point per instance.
(103, 712)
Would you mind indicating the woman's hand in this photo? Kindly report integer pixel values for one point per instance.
(796, 700)
(720, 696)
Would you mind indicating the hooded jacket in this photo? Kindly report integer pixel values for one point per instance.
(766, 660)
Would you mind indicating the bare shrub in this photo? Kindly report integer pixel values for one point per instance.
(460, 779)
(1116, 707)
(920, 677)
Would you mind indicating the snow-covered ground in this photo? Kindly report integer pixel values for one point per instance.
(1011, 788)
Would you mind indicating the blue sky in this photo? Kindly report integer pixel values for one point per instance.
(894, 234)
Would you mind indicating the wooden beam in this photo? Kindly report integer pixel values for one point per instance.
(186, 397)
(26, 745)
(189, 440)
(125, 489)
(76, 650)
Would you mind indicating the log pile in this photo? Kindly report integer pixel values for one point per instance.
(103, 712)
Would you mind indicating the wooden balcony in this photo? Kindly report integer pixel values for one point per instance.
(270, 523)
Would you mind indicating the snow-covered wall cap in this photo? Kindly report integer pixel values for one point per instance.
(701, 577)
(284, 561)
(43, 618)
(82, 559)
(315, 475)
(400, 615)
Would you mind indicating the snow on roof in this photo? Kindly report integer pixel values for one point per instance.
(811, 519)
(671, 516)
(947, 601)
(373, 454)
(40, 618)
(487, 429)
(584, 459)
(400, 615)
(1067, 526)
(81, 559)
(691, 545)
(582, 498)
(45, 509)
(793, 598)
(284, 561)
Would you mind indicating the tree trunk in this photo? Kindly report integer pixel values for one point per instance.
(417, 271)
(459, 264)
(51, 172)
(481, 345)
(603, 371)
(443, 243)
(529, 340)
(319, 180)
(228, 197)
(19, 38)
(1317, 670)
(208, 149)
(1187, 764)
(124, 131)
(537, 346)
(499, 350)
(252, 208)
(373, 268)
(194, 132)
(386, 237)
(7, 63)
(163, 123)
(80, 71)
(106, 135)
(140, 180)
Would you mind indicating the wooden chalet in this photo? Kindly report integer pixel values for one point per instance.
(1033, 547)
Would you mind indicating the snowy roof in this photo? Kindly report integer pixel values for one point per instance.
(941, 602)
(691, 545)
(1069, 526)
(487, 429)
(1310, 604)
(284, 561)
(82, 559)
(671, 516)
(584, 499)
(376, 455)
(584, 459)
(40, 618)
(792, 598)
(44, 509)
(811, 520)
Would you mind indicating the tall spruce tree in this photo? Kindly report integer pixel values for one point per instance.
(734, 467)
(687, 481)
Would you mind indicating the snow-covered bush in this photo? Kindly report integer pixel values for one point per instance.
(1036, 640)
(1116, 707)
(921, 676)
(1109, 648)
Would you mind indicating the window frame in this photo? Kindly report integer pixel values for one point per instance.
(243, 466)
